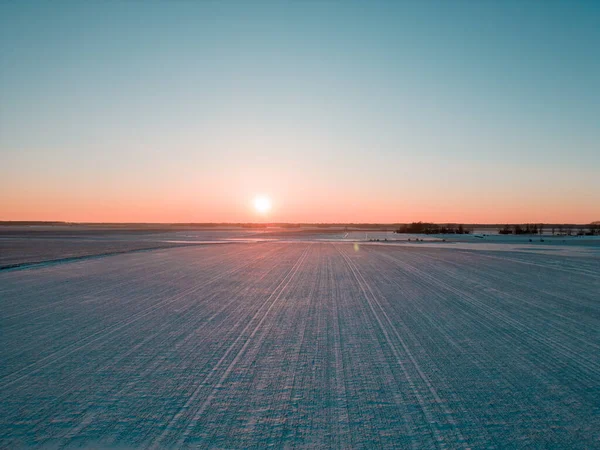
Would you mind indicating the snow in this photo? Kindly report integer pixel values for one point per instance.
(304, 342)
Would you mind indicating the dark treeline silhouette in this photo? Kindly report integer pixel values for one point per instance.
(432, 228)
(593, 229)
(527, 228)
(29, 223)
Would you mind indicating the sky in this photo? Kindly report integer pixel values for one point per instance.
(183, 111)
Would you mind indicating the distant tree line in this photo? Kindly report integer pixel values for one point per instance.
(527, 228)
(592, 229)
(432, 228)
(16, 223)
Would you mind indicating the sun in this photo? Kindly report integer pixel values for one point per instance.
(262, 204)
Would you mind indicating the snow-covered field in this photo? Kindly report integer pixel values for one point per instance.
(310, 343)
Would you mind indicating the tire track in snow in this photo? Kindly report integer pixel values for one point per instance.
(273, 298)
(518, 361)
(572, 385)
(549, 311)
(503, 388)
(91, 412)
(70, 259)
(552, 310)
(82, 281)
(291, 379)
(243, 351)
(450, 340)
(381, 402)
(579, 271)
(341, 377)
(591, 367)
(78, 345)
(372, 300)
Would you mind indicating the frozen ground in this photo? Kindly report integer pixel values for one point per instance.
(33, 245)
(304, 342)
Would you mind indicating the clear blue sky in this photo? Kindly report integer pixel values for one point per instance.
(472, 111)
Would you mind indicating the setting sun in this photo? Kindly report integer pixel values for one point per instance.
(262, 204)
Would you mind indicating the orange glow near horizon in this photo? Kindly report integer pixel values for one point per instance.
(337, 207)
(313, 193)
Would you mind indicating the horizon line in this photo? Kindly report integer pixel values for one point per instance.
(299, 224)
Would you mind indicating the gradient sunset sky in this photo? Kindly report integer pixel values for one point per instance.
(184, 111)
